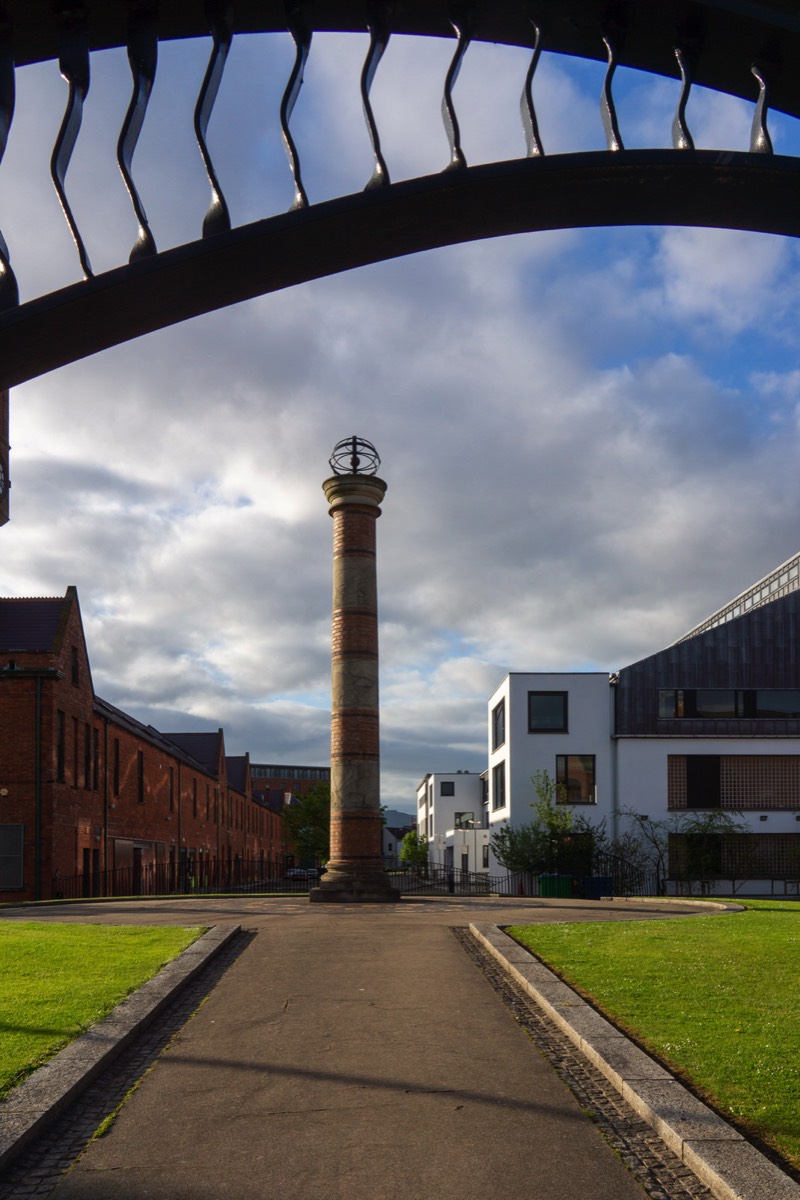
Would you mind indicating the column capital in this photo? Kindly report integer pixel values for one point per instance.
(365, 490)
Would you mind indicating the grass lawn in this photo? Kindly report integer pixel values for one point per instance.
(56, 980)
(713, 997)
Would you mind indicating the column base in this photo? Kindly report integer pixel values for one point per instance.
(355, 887)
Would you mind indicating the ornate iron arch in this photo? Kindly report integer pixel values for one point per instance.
(750, 50)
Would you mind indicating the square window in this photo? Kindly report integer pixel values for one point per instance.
(575, 779)
(547, 712)
(447, 788)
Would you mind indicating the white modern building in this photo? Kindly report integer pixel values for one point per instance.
(709, 725)
(558, 723)
(452, 815)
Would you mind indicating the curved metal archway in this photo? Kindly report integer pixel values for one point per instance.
(751, 51)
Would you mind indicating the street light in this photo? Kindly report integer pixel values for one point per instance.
(474, 826)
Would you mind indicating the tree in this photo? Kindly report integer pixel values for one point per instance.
(414, 849)
(516, 849)
(308, 823)
(555, 841)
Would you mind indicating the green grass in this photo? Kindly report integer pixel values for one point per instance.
(56, 980)
(713, 997)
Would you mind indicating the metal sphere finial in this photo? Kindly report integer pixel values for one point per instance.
(354, 456)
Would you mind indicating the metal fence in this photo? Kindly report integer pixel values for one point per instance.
(610, 876)
(185, 878)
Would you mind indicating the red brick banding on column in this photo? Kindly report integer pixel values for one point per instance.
(355, 868)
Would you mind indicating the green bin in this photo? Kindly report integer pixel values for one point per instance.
(555, 885)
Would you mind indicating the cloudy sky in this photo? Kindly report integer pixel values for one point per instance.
(590, 438)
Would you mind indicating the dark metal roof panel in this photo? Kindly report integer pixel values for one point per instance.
(757, 650)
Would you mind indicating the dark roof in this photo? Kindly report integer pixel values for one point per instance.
(148, 733)
(204, 747)
(238, 769)
(30, 624)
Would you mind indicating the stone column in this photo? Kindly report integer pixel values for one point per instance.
(355, 869)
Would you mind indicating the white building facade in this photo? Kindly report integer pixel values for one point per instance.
(554, 723)
(708, 727)
(452, 816)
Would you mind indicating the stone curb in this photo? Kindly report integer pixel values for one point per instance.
(40, 1098)
(721, 1158)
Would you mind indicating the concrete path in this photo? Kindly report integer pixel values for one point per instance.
(351, 1052)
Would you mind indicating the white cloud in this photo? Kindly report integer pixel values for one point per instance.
(573, 479)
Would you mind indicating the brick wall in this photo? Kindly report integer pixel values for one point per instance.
(108, 792)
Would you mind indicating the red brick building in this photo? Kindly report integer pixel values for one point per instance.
(92, 800)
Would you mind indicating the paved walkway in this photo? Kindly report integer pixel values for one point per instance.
(351, 1052)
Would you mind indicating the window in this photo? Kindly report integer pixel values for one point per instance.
(485, 863)
(75, 673)
(12, 841)
(499, 786)
(87, 756)
(447, 788)
(464, 820)
(575, 778)
(96, 759)
(61, 735)
(710, 703)
(695, 855)
(777, 702)
(703, 781)
(547, 712)
(498, 724)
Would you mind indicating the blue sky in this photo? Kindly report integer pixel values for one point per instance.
(589, 437)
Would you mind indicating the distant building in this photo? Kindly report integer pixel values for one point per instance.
(276, 781)
(395, 827)
(452, 815)
(88, 791)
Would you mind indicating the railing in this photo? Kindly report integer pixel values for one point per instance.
(723, 45)
(171, 879)
(605, 874)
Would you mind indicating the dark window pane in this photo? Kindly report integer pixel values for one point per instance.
(12, 843)
(547, 712)
(499, 724)
(702, 781)
(447, 788)
(575, 775)
(499, 786)
(778, 702)
(715, 702)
